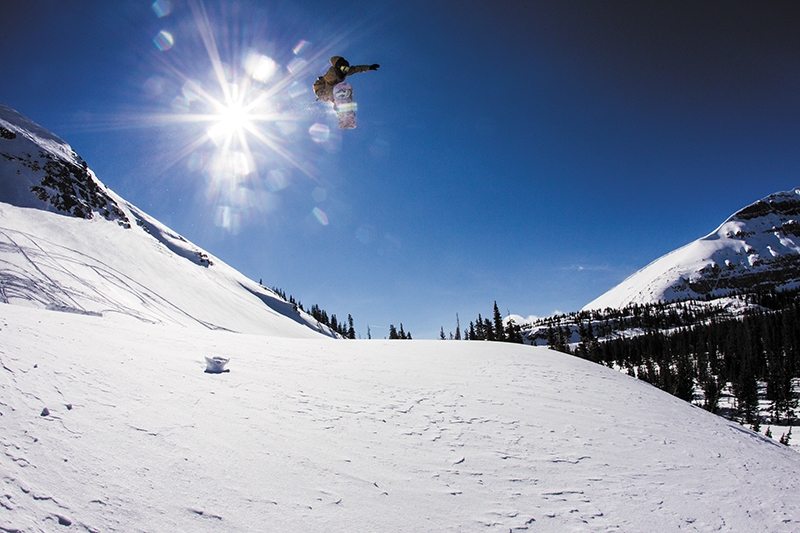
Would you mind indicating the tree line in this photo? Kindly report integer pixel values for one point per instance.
(401, 334)
(694, 350)
(485, 329)
(343, 328)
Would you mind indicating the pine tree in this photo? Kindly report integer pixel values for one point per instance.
(351, 332)
(488, 330)
(684, 386)
(786, 437)
(480, 329)
(552, 342)
(499, 330)
(745, 389)
(441, 334)
(458, 328)
(393, 332)
(567, 339)
(513, 332)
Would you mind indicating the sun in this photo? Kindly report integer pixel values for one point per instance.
(231, 122)
(245, 126)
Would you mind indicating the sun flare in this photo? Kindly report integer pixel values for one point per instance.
(244, 117)
(230, 122)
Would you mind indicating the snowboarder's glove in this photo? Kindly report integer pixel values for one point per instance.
(374, 67)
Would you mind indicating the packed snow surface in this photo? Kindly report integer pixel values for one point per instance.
(320, 435)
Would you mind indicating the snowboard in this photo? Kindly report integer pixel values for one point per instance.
(344, 106)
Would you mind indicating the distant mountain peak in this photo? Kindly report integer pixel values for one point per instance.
(756, 248)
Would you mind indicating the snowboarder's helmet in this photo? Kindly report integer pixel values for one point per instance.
(340, 63)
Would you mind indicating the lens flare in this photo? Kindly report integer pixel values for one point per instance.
(231, 109)
(297, 65)
(162, 8)
(240, 112)
(320, 133)
(320, 215)
(319, 194)
(298, 49)
(277, 180)
(164, 40)
(228, 218)
(298, 89)
(231, 122)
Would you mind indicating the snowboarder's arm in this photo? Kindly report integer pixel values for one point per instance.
(361, 68)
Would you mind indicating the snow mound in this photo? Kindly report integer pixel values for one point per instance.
(313, 435)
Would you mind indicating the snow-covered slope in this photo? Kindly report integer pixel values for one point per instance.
(309, 436)
(759, 246)
(69, 243)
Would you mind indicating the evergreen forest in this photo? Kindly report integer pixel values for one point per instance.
(343, 328)
(746, 347)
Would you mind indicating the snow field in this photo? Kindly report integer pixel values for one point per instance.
(321, 435)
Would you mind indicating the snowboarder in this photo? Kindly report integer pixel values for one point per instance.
(339, 70)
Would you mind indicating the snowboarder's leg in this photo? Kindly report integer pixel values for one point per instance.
(323, 91)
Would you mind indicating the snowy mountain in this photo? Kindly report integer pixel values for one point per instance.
(757, 247)
(67, 242)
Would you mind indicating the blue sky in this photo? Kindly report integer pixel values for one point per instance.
(532, 153)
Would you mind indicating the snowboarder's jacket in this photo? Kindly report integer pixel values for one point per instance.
(339, 70)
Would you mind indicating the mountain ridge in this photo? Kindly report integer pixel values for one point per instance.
(756, 248)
